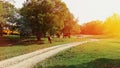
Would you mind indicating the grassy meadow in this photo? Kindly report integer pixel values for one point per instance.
(102, 54)
(23, 48)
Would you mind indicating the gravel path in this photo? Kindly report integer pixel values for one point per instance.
(30, 59)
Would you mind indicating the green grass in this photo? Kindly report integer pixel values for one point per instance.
(102, 54)
(19, 49)
(13, 38)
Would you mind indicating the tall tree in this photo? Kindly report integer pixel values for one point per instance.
(1, 17)
(45, 16)
(76, 28)
(70, 26)
(6, 13)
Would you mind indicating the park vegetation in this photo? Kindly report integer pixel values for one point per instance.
(29, 26)
(43, 18)
(51, 18)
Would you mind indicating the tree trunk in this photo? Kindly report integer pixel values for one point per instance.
(58, 35)
(38, 36)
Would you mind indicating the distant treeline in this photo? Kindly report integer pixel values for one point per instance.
(110, 26)
(43, 18)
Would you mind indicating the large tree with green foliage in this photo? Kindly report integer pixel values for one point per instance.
(7, 11)
(45, 16)
(1, 17)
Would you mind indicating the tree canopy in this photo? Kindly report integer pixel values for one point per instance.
(46, 16)
(7, 11)
(112, 24)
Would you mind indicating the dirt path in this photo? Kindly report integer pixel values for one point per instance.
(30, 59)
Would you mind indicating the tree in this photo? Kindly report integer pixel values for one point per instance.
(45, 16)
(112, 24)
(6, 13)
(23, 27)
(76, 28)
(93, 27)
(1, 17)
(70, 26)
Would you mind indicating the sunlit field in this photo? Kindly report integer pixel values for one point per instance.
(23, 48)
(76, 33)
(101, 54)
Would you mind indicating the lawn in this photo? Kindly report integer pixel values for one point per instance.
(102, 54)
(19, 49)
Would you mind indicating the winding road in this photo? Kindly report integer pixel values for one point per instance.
(31, 59)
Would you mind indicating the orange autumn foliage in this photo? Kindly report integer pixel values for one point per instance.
(93, 27)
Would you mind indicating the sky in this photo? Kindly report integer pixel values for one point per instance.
(88, 10)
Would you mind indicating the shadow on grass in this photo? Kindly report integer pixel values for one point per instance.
(98, 63)
(13, 40)
(29, 42)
